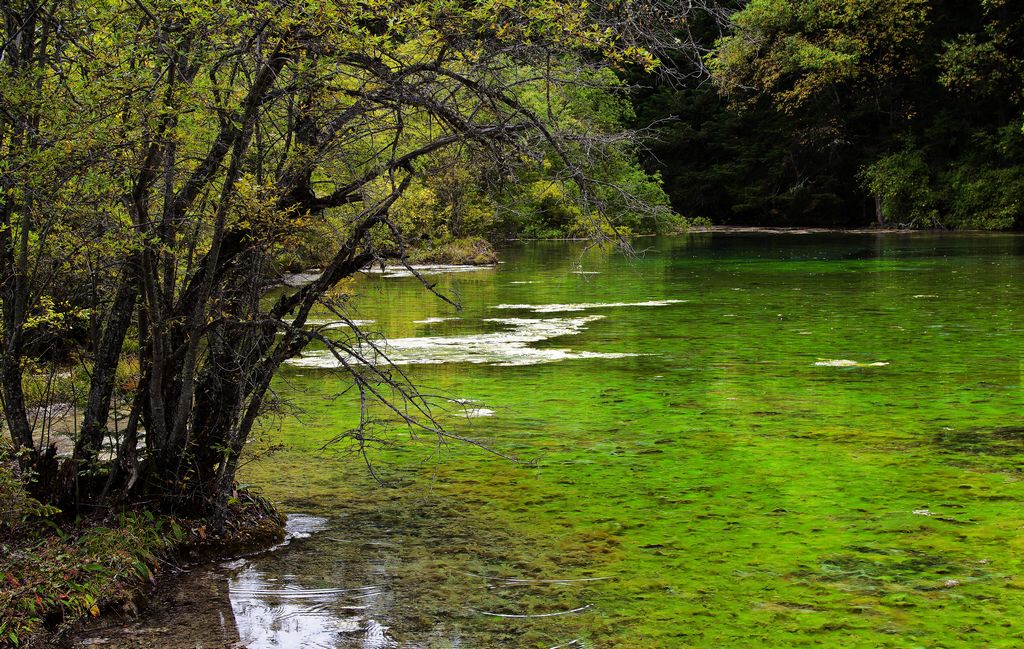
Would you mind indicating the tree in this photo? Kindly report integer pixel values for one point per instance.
(157, 156)
(918, 100)
(731, 159)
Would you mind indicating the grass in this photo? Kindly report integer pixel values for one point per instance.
(64, 383)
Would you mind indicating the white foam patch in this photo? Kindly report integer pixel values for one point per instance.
(338, 324)
(921, 297)
(586, 272)
(300, 526)
(475, 411)
(583, 306)
(844, 362)
(504, 348)
(424, 269)
(523, 282)
(434, 320)
(296, 280)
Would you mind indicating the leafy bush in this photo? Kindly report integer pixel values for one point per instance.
(16, 506)
(903, 183)
(980, 189)
(985, 198)
(469, 250)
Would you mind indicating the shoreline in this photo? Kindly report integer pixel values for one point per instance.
(794, 230)
(110, 568)
(753, 229)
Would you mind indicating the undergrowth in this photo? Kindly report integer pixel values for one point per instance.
(55, 572)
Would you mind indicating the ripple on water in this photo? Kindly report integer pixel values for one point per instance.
(278, 611)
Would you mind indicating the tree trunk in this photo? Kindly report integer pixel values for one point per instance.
(104, 371)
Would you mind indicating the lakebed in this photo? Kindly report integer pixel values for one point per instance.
(725, 440)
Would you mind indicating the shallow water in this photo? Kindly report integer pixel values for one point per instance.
(726, 441)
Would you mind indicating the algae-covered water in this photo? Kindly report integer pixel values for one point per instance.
(724, 441)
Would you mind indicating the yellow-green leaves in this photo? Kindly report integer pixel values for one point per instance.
(792, 51)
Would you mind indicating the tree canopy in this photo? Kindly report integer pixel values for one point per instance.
(158, 156)
(844, 112)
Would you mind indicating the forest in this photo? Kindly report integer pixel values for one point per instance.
(860, 113)
(846, 113)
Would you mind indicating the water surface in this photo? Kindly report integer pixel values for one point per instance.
(725, 441)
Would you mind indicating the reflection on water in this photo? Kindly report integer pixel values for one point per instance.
(251, 603)
(279, 611)
(269, 613)
(333, 585)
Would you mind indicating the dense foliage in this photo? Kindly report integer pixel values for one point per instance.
(462, 196)
(161, 162)
(848, 112)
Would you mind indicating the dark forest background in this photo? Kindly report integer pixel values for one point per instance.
(845, 113)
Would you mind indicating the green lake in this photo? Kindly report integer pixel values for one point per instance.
(724, 440)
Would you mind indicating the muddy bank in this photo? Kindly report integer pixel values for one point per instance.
(460, 255)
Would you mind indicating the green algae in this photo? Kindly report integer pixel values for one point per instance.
(719, 487)
(735, 491)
